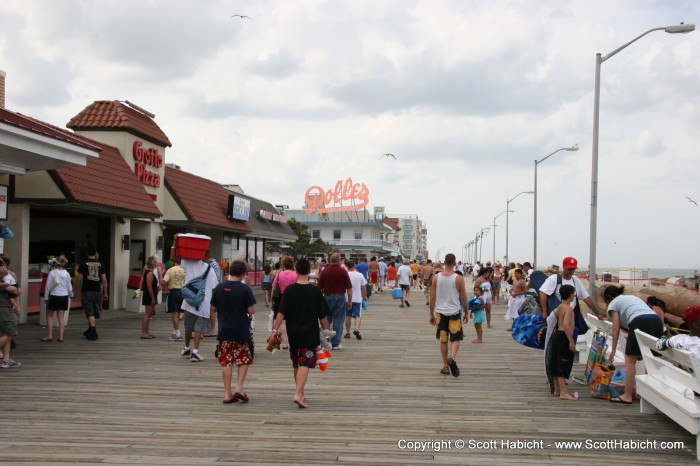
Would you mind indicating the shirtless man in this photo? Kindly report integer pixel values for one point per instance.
(427, 274)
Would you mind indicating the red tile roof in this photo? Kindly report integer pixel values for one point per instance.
(108, 182)
(39, 127)
(203, 201)
(391, 222)
(113, 115)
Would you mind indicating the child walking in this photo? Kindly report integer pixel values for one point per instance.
(477, 314)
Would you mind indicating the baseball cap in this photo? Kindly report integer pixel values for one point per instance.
(691, 315)
(570, 263)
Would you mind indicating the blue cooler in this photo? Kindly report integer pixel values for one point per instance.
(396, 293)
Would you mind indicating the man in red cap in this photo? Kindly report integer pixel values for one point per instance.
(690, 343)
(550, 298)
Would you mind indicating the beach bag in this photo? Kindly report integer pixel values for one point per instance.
(529, 330)
(365, 304)
(595, 354)
(617, 382)
(396, 293)
(600, 381)
(194, 291)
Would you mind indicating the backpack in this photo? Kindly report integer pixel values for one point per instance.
(193, 292)
(553, 302)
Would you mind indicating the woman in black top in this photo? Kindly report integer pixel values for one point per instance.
(150, 295)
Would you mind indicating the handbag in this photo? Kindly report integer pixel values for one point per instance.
(600, 381)
(276, 297)
(617, 382)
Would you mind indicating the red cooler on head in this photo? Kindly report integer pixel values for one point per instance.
(191, 246)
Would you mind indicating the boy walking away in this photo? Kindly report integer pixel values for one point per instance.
(92, 275)
(477, 313)
(447, 294)
(359, 292)
(563, 343)
(404, 277)
(232, 302)
(303, 307)
(197, 318)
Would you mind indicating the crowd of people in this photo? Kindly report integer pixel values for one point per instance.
(309, 300)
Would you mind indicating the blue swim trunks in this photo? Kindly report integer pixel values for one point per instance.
(479, 317)
(355, 312)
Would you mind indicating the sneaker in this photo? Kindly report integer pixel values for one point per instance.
(185, 353)
(338, 347)
(172, 337)
(179, 338)
(407, 304)
(196, 357)
(11, 364)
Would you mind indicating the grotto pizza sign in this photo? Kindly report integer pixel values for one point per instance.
(344, 196)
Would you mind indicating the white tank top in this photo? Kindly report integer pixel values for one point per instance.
(446, 295)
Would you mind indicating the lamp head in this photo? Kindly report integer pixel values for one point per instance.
(573, 148)
(680, 29)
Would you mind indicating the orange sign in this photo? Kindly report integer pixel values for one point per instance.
(319, 201)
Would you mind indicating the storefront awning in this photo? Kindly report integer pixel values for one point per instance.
(203, 202)
(27, 144)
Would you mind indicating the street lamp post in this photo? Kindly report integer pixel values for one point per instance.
(676, 29)
(494, 235)
(476, 245)
(534, 244)
(507, 208)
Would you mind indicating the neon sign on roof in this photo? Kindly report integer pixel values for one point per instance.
(320, 201)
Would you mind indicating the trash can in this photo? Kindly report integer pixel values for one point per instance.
(607, 277)
(133, 304)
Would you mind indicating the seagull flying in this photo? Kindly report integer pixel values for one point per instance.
(690, 200)
(388, 155)
(242, 16)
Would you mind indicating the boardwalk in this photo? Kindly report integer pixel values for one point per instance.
(122, 400)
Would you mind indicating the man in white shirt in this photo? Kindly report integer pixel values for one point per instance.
(551, 288)
(197, 318)
(404, 277)
(359, 293)
(447, 295)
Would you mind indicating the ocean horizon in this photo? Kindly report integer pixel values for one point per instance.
(657, 272)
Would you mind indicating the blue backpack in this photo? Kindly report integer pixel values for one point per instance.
(193, 292)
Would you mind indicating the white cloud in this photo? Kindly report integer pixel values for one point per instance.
(466, 94)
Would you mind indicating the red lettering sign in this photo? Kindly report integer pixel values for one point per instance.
(144, 157)
(318, 200)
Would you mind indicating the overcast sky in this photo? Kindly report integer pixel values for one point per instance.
(466, 94)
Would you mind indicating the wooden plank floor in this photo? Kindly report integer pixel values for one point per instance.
(122, 400)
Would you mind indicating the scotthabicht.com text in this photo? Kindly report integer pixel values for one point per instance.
(507, 444)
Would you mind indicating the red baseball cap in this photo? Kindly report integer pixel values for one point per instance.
(570, 263)
(691, 315)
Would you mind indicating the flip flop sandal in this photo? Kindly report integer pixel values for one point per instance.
(241, 396)
(347, 335)
(445, 371)
(232, 400)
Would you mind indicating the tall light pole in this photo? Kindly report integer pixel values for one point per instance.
(479, 235)
(494, 235)
(507, 208)
(677, 29)
(482, 240)
(534, 244)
